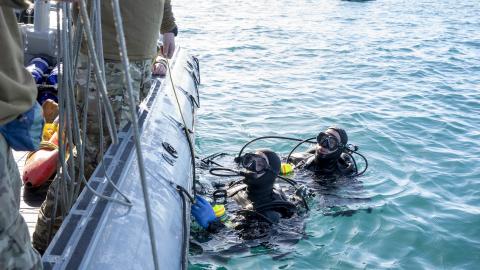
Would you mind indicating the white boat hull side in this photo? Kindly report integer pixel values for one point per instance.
(105, 235)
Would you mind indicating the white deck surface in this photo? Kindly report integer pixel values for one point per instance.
(30, 201)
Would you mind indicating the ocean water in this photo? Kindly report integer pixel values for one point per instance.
(402, 77)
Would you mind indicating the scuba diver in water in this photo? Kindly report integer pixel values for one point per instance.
(331, 156)
(336, 171)
(255, 195)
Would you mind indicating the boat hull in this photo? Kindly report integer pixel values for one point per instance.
(98, 234)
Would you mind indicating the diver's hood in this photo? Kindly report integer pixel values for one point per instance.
(259, 195)
(327, 163)
(259, 189)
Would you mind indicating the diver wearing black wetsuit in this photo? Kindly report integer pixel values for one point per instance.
(329, 157)
(258, 192)
(255, 194)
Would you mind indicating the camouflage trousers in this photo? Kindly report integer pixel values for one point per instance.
(16, 251)
(117, 93)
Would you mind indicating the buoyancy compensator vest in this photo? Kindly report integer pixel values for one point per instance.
(275, 206)
(342, 165)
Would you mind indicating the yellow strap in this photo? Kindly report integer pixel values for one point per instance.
(45, 145)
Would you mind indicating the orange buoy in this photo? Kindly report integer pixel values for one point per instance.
(41, 165)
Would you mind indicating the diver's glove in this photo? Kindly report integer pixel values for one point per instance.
(25, 132)
(203, 212)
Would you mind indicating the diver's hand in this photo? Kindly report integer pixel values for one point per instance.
(202, 211)
(168, 47)
(25, 132)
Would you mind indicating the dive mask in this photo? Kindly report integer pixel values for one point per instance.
(254, 163)
(328, 141)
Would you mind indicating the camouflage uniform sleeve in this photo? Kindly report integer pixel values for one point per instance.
(17, 87)
(168, 23)
(16, 250)
(17, 4)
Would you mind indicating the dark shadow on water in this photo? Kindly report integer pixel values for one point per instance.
(347, 213)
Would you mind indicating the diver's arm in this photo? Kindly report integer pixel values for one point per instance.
(296, 158)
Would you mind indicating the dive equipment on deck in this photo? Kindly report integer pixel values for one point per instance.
(52, 78)
(38, 66)
(49, 90)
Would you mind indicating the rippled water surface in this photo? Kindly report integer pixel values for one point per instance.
(402, 77)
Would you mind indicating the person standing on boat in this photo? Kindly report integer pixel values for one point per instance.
(142, 26)
(142, 23)
(21, 124)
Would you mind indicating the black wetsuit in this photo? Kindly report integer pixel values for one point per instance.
(274, 207)
(342, 166)
(265, 212)
(257, 196)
